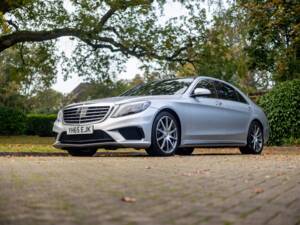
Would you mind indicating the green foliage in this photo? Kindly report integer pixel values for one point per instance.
(96, 90)
(40, 124)
(47, 101)
(15, 122)
(105, 32)
(22, 76)
(282, 106)
(249, 43)
(12, 121)
(221, 51)
(274, 35)
(291, 141)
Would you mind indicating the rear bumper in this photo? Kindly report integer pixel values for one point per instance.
(266, 135)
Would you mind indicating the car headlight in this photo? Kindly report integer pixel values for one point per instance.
(131, 108)
(59, 118)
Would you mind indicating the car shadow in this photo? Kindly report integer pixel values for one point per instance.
(32, 154)
(108, 154)
(142, 154)
(214, 154)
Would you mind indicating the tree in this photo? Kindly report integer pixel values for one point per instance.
(137, 80)
(220, 53)
(22, 75)
(107, 32)
(46, 101)
(33, 69)
(274, 36)
(98, 89)
(251, 43)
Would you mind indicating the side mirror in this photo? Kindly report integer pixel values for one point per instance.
(201, 92)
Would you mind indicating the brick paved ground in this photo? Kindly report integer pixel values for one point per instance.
(211, 187)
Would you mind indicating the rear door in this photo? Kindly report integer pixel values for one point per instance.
(235, 113)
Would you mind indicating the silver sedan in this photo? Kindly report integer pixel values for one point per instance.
(165, 117)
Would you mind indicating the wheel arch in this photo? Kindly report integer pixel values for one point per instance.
(173, 112)
(258, 121)
(261, 126)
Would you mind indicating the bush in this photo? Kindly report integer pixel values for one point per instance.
(12, 121)
(40, 124)
(282, 106)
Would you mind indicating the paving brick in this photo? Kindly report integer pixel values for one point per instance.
(214, 186)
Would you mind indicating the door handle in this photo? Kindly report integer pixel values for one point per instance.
(219, 103)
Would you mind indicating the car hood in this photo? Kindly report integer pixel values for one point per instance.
(126, 99)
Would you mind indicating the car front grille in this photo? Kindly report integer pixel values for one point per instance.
(84, 114)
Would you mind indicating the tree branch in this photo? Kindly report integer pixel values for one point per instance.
(114, 30)
(12, 23)
(7, 41)
(137, 51)
(9, 5)
(106, 16)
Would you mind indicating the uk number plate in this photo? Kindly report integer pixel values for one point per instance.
(80, 130)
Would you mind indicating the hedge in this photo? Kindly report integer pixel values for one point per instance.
(15, 122)
(282, 106)
(12, 121)
(40, 124)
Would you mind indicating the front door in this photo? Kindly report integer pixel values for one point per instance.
(203, 120)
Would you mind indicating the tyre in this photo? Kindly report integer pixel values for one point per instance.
(184, 151)
(255, 139)
(82, 152)
(165, 135)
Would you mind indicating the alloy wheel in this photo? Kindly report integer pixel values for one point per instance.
(166, 134)
(256, 138)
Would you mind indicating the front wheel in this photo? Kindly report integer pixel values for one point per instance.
(165, 135)
(82, 152)
(255, 139)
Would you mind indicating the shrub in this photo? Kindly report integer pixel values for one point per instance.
(282, 106)
(12, 121)
(40, 124)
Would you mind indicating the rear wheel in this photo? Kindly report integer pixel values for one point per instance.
(184, 151)
(165, 135)
(82, 152)
(255, 139)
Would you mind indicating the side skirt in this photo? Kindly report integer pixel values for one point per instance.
(214, 145)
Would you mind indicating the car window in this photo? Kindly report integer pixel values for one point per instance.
(208, 84)
(164, 87)
(241, 98)
(226, 92)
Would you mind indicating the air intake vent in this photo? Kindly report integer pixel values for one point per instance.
(84, 114)
(98, 136)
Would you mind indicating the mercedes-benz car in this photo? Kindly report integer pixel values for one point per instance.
(165, 117)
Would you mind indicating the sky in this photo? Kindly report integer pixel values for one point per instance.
(132, 67)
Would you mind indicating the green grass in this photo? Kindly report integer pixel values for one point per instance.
(34, 140)
(34, 144)
(27, 144)
(291, 141)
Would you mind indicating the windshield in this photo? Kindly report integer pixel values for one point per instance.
(165, 87)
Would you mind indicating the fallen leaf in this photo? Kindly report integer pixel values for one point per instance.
(258, 190)
(128, 199)
(187, 174)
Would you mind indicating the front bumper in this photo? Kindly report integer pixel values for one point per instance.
(112, 126)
